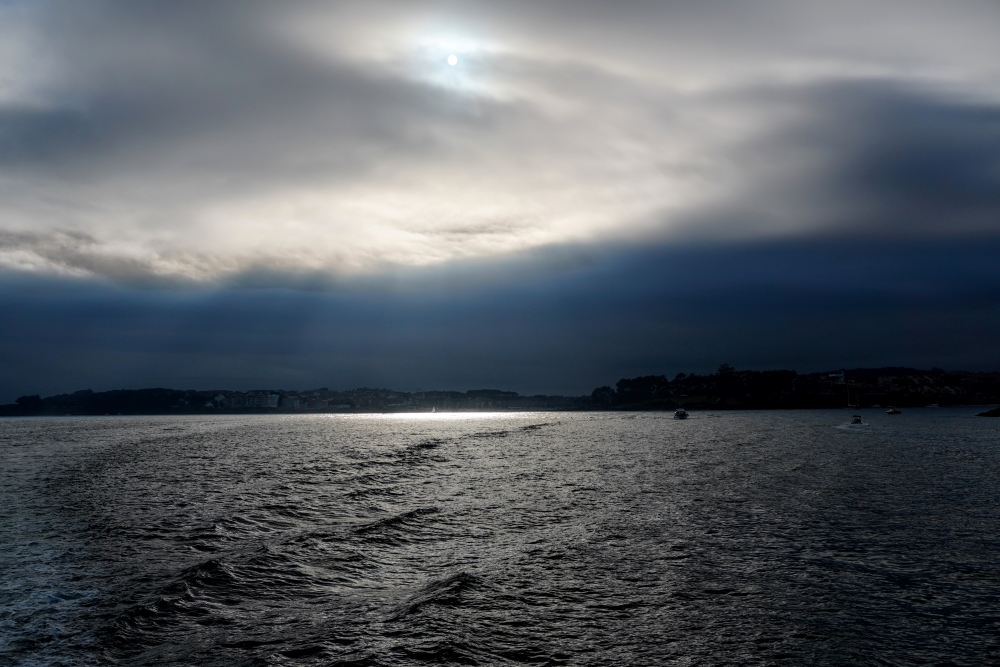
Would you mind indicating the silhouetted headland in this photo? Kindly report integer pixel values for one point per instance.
(726, 389)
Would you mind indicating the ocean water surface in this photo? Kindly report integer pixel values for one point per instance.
(501, 539)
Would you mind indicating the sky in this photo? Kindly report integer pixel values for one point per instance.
(541, 197)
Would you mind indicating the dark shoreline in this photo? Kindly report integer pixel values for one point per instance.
(994, 412)
(727, 389)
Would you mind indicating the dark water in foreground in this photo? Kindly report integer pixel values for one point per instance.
(545, 538)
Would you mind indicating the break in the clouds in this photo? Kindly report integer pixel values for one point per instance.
(205, 142)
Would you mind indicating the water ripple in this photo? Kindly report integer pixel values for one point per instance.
(597, 539)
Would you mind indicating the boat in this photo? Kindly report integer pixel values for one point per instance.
(680, 413)
(893, 411)
(856, 419)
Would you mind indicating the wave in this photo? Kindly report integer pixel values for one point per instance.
(442, 592)
(394, 521)
(432, 443)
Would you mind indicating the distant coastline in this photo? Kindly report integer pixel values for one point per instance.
(726, 389)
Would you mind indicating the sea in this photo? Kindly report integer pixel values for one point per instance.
(545, 538)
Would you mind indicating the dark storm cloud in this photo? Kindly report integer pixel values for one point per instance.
(813, 305)
(861, 159)
(924, 164)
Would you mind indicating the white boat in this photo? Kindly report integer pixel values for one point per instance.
(680, 413)
(893, 411)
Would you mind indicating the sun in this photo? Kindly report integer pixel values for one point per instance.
(453, 60)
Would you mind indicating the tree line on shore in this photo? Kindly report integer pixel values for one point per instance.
(727, 388)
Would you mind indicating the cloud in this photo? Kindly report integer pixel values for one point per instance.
(863, 158)
(177, 144)
(814, 304)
